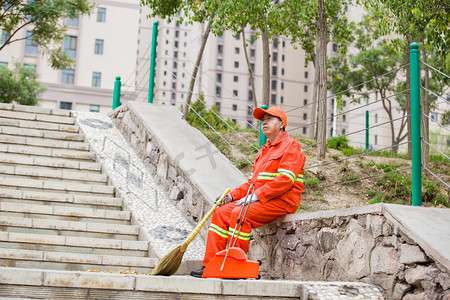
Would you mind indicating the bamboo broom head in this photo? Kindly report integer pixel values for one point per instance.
(170, 263)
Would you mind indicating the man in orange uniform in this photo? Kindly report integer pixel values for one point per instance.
(277, 176)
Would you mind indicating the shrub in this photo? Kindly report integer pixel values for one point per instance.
(338, 143)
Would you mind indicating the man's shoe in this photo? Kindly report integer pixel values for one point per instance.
(198, 273)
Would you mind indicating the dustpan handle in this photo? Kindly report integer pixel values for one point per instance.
(189, 239)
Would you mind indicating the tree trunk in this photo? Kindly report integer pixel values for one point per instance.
(250, 71)
(313, 131)
(322, 86)
(266, 67)
(197, 64)
(408, 94)
(425, 106)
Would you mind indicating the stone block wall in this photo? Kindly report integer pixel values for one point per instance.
(363, 246)
(164, 168)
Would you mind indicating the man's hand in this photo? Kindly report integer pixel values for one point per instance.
(252, 199)
(225, 200)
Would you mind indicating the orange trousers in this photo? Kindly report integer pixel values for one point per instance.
(224, 221)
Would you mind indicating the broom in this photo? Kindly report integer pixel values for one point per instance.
(170, 263)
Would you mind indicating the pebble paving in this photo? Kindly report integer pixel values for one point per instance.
(149, 203)
(342, 291)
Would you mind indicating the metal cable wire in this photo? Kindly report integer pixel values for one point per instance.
(359, 179)
(208, 76)
(218, 133)
(215, 96)
(435, 149)
(442, 73)
(331, 96)
(446, 184)
(223, 121)
(448, 129)
(143, 57)
(435, 94)
(357, 155)
(353, 109)
(364, 129)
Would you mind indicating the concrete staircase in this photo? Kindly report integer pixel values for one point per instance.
(57, 209)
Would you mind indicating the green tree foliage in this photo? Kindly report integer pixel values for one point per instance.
(45, 18)
(19, 85)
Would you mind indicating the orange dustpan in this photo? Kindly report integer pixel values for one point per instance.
(237, 265)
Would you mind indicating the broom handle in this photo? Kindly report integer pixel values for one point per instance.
(200, 225)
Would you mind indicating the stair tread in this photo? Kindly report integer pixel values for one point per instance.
(42, 133)
(64, 211)
(79, 258)
(69, 225)
(73, 241)
(33, 116)
(43, 142)
(39, 125)
(43, 151)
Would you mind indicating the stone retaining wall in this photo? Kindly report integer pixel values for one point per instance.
(356, 245)
(163, 167)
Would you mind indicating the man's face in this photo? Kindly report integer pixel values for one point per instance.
(271, 125)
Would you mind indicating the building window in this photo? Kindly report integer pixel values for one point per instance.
(68, 76)
(235, 78)
(235, 93)
(234, 121)
(281, 99)
(274, 71)
(305, 116)
(344, 103)
(177, 33)
(305, 101)
(218, 91)
(175, 64)
(343, 131)
(250, 96)
(220, 38)
(175, 54)
(306, 74)
(344, 118)
(173, 96)
(70, 46)
(176, 44)
(234, 107)
(252, 39)
(236, 50)
(72, 22)
(236, 64)
(273, 99)
(218, 106)
(282, 85)
(275, 43)
(3, 64)
(219, 64)
(252, 66)
(376, 139)
(274, 85)
(30, 45)
(94, 108)
(335, 47)
(218, 78)
(29, 67)
(304, 130)
(5, 36)
(96, 79)
(101, 14)
(98, 47)
(252, 54)
(282, 71)
(250, 111)
(238, 36)
(275, 56)
(174, 85)
(219, 49)
(305, 88)
(65, 105)
(434, 116)
(376, 118)
(282, 57)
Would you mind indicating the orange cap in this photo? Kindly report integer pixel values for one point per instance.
(258, 113)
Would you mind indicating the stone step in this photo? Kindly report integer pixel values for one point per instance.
(81, 214)
(75, 261)
(39, 172)
(31, 116)
(69, 228)
(56, 198)
(21, 159)
(48, 152)
(35, 109)
(73, 244)
(39, 125)
(43, 142)
(39, 133)
(54, 185)
(50, 284)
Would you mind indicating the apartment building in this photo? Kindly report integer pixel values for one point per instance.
(103, 45)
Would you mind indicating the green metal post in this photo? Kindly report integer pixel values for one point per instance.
(367, 130)
(262, 137)
(151, 84)
(416, 139)
(116, 95)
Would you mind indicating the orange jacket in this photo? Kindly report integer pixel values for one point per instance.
(277, 173)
